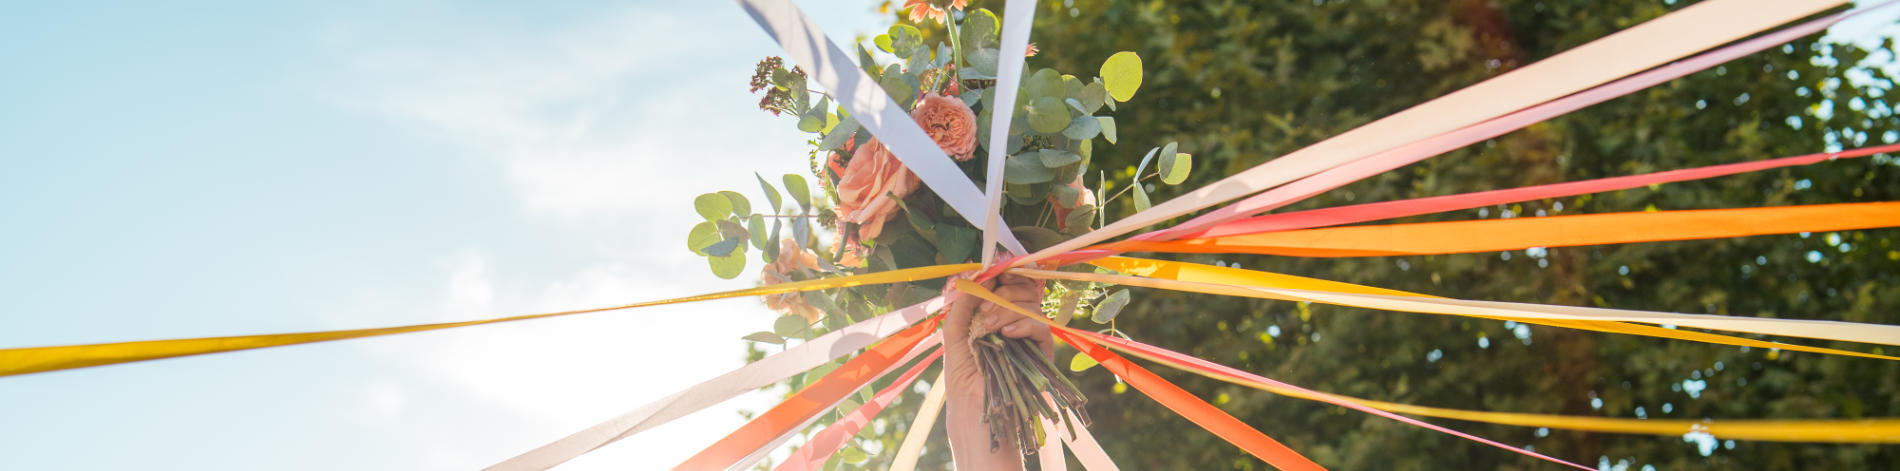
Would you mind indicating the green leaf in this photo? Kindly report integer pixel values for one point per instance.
(795, 327)
(905, 37)
(853, 455)
(982, 63)
(1026, 168)
(1107, 124)
(1037, 238)
(1141, 199)
(771, 194)
(741, 207)
(957, 243)
(1084, 127)
(801, 192)
(712, 206)
(1121, 75)
(1048, 115)
(1053, 158)
(729, 266)
(1111, 306)
(1092, 97)
(703, 235)
(801, 231)
(1046, 82)
(1166, 154)
(1079, 219)
(1175, 170)
(1081, 362)
(724, 248)
(814, 119)
(840, 134)
(765, 337)
(980, 28)
(756, 226)
(883, 43)
(1143, 166)
(898, 88)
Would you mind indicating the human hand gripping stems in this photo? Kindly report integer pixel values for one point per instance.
(969, 318)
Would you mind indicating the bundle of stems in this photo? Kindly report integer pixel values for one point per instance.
(1017, 375)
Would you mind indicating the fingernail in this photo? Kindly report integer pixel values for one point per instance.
(989, 320)
(1014, 329)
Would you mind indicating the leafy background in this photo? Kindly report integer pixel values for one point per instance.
(1238, 83)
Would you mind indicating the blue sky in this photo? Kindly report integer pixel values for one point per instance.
(217, 168)
(220, 168)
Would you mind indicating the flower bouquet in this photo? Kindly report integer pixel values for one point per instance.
(869, 213)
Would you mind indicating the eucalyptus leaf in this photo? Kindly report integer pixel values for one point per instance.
(1048, 115)
(1093, 95)
(1037, 238)
(1107, 124)
(801, 231)
(898, 88)
(957, 243)
(1046, 82)
(839, 134)
(852, 454)
(980, 28)
(1081, 362)
(771, 194)
(729, 266)
(724, 248)
(1083, 128)
(801, 192)
(1026, 168)
(905, 37)
(756, 226)
(1141, 199)
(1111, 306)
(1079, 219)
(703, 235)
(765, 337)
(741, 207)
(1053, 158)
(712, 206)
(1121, 75)
(795, 327)
(982, 63)
(1175, 170)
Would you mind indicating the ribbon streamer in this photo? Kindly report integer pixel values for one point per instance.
(1691, 29)
(1492, 235)
(1018, 15)
(759, 454)
(1826, 330)
(1199, 273)
(758, 374)
(806, 44)
(927, 414)
(813, 399)
(813, 453)
(18, 361)
(1087, 451)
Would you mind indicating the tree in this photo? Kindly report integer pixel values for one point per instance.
(1238, 83)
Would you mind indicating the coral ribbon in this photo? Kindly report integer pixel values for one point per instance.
(788, 416)
(1490, 235)
(1209, 274)
(828, 441)
(17, 361)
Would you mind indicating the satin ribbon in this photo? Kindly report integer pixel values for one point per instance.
(753, 458)
(1071, 336)
(1018, 15)
(1199, 273)
(1522, 312)
(1342, 215)
(814, 452)
(1691, 29)
(1173, 397)
(1492, 235)
(17, 361)
(1087, 451)
(919, 432)
(817, 397)
(1824, 431)
(765, 372)
(833, 69)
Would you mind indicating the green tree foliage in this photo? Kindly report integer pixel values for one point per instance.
(1239, 83)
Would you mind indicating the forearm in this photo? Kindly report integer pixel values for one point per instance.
(970, 437)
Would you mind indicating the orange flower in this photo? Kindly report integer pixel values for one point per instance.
(1063, 208)
(920, 9)
(949, 122)
(872, 184)
(790, 260)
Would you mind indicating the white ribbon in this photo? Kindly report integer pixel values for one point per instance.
(906, 459)
(806, 44)
(915, 351)
(758, 374)
(1018, 15)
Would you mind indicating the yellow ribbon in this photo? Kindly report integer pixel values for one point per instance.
(1204, 276)
(18, 361)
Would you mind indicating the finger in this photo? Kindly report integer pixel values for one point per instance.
(1023, 327)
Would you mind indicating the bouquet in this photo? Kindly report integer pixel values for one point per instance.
(868, 213)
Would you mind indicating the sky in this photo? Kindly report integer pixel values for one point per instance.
(209, 168)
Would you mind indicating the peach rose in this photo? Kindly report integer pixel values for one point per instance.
(949, 122)
(790, 260)
(872, 184)
(1062, 208)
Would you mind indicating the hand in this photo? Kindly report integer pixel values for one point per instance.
(969, 436)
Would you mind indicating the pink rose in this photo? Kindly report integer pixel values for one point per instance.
(1083, 197)
(790, 260)
(872, 184)
(949, 122)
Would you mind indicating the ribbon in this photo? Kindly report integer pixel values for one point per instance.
(1209, 274)
(919, 432)
(1087, 451)
(1342, 215)
(1829, 431)
(806, 44)
(1018, 15)
(17, 361)
(1694, 28)
(1523, 312)
(758, 374)
(1490, 235)
(789, 432)
(789, 416)
(828, 441)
